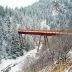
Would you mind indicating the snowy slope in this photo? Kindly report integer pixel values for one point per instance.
(17, 64)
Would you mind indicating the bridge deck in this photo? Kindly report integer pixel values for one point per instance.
(43, 32)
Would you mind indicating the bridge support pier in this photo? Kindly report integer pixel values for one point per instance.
(45, 42)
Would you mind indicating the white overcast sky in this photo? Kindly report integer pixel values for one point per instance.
(17, 3)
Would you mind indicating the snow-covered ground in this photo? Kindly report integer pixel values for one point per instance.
(10, 63)
(17, 64)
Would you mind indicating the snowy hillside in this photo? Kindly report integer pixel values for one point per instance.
(17, 64)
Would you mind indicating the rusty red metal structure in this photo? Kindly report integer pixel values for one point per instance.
(44, 33)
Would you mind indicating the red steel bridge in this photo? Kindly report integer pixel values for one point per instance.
(44, 33)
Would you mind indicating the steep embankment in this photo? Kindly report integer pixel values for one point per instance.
(61, 67)
(36, 62)
(31, 62)
(64, 66)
